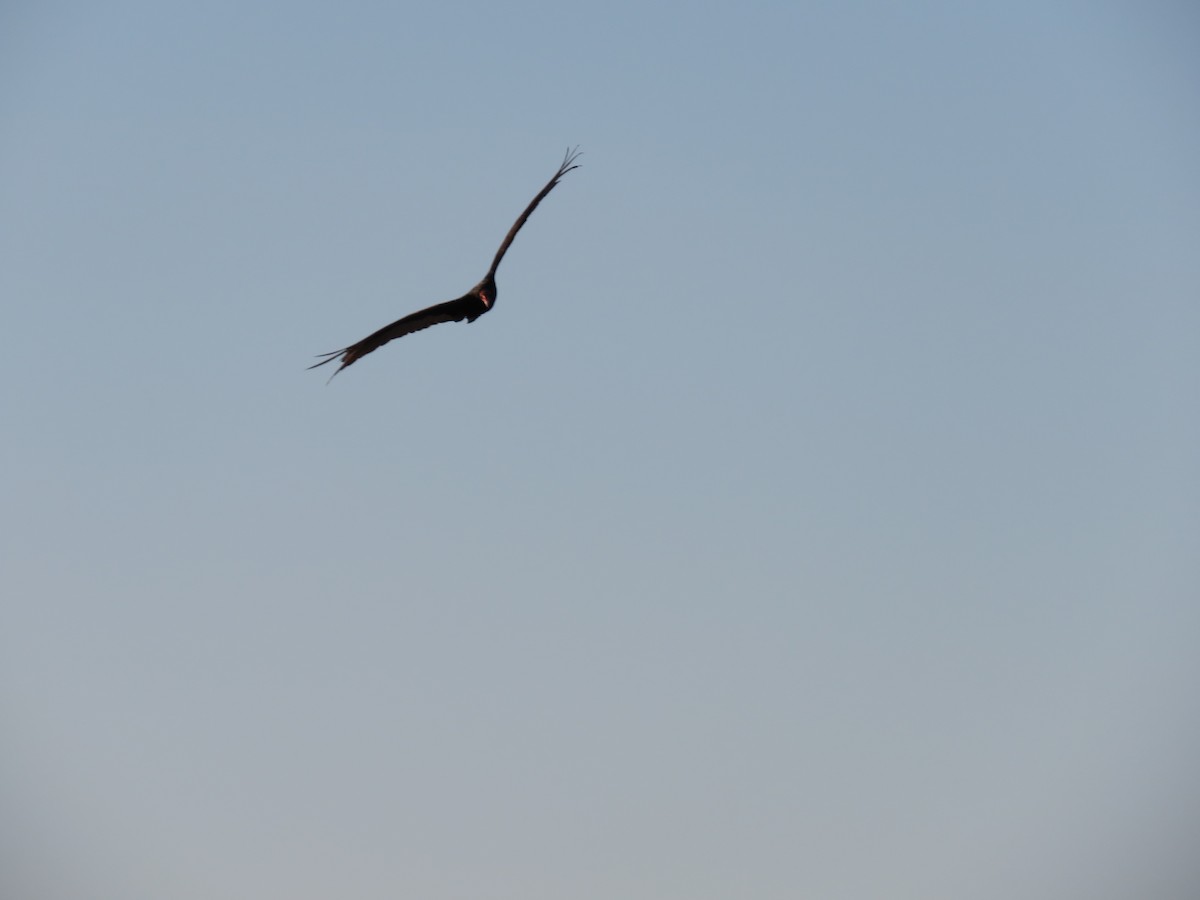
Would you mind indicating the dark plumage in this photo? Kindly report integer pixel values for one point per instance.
(470, 306)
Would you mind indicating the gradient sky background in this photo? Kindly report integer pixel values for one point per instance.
(817, 514)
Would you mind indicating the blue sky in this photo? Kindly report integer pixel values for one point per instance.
(816, 514)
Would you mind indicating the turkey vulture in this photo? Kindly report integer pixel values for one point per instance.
(470, 306)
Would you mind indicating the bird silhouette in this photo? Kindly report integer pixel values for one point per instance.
(470, 306)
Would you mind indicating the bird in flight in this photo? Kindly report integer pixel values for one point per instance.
(470, 306)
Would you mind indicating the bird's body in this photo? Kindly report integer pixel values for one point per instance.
(470, 306)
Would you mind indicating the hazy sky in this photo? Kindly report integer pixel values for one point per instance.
(817, 514)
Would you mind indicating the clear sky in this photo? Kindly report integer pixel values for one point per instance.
(817, 514)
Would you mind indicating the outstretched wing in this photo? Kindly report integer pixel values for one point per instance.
(568, 164)
(451, 311)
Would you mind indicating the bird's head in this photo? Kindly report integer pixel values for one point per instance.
(486, 291)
